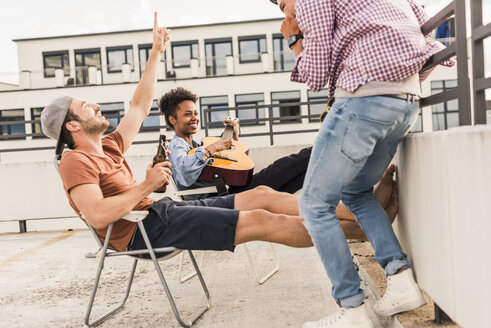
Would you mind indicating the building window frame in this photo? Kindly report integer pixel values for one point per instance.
(218, 104)
(282, 60)
(259, 46)
(37, 131)
(63, 55)
(299, 99)
(192, 44)
(114, 120)
(251, 103)
(6, 130)
(120, 48)
(85, 68)
(213, 43)
(446, 112)
(147, 47)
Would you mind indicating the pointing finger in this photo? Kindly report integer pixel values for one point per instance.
(155, 23)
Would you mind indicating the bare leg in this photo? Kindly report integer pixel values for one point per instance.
(265, 198)
(266, 226)
(383, 189)
(271, 201)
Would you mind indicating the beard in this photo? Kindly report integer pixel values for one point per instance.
(95, 126)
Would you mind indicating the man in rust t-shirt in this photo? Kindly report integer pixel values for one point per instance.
(112, 173)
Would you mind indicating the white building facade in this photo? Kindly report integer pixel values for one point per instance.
(226, 65)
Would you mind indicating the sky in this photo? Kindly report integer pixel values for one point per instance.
(34, 18)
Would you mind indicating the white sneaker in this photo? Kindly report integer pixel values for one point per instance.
(344, 318)
(402, 294)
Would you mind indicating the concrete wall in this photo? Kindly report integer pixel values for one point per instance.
(34, 189)
(444, 217)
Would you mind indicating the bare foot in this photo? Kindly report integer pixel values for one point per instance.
(383, 189)
(393, 206)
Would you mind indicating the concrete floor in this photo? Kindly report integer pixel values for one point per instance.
(45, 281)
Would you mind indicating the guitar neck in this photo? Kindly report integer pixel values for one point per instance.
(228, 133)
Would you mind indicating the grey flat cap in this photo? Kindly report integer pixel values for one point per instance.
(52, 118)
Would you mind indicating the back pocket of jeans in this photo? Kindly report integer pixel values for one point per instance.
(361, 137)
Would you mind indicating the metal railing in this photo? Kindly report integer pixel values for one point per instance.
(463, 91)
(272, 120)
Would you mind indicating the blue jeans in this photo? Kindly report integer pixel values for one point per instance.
(355, 145)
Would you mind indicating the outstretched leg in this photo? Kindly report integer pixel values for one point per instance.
(277, 228)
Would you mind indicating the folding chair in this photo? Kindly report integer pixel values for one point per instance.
(221, 189)
(104, 252)
(168, 252)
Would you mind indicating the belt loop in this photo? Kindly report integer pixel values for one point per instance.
(407, 97)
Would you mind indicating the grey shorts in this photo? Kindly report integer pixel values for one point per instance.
(202, 224)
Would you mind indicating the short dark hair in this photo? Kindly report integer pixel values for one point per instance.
(65, 135)
(169, 102)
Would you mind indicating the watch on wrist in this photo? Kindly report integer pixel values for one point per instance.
(293, 39)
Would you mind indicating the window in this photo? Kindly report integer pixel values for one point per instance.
(144, 53)
(445, 115)
(84, 59)
(182, 52)
(10, 131)
(152, 121)
(251, 48)
(288, 110)
(254, 99)
(216, 56)
(53, 60)
(418, 126)
(37, 132)
(215, 119)
(284, 60)
(113, 112)
(315, 110)
(117, 56)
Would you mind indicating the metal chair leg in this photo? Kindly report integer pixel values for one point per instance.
(261, 280)
(166, 287)
(192, 274)
(100, 267)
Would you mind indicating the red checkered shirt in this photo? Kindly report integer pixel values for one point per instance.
(349, 43)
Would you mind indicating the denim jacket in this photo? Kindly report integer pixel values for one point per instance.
(186, 169)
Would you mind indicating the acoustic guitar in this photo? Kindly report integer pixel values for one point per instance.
(233, 164)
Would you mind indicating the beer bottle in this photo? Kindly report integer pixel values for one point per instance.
(160, 157)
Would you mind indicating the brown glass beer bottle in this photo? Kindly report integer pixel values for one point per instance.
(161, 156)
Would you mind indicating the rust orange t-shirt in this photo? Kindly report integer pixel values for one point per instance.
(111, 173)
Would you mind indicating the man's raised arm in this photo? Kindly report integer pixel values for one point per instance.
(144, 93)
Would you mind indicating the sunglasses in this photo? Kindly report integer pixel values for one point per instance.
(274, 1)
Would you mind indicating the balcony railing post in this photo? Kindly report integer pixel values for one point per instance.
(205, 118)
(464, 91)
(270, 121)
(478, 63)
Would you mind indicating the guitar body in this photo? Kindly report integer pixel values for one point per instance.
(235, 173)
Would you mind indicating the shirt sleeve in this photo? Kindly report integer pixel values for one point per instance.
(77, 169)
(114, 138)
(316, 21)
(186, 168)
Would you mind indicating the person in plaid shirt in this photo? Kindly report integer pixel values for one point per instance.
(370, 53)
